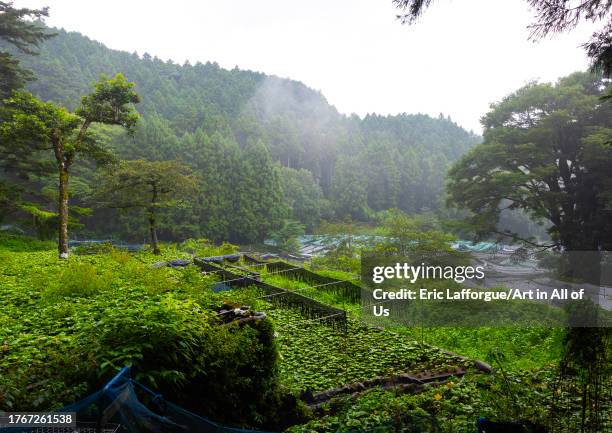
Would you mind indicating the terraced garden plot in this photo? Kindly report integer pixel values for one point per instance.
(317, 357)
(321, 293)
(531, 347)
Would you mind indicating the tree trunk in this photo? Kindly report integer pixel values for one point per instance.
(582, 258)
(152, 221)
(153, 233)
(62, 244)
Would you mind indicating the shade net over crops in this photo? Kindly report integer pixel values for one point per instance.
(119, 407)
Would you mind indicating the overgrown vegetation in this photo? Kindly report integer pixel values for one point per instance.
(67, 327)
(82, 319)
(453, 406)
(245, 157)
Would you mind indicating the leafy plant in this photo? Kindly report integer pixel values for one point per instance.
(206, 248)
(78, 279)
(286, 237)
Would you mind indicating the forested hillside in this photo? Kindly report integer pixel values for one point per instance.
(264, 149)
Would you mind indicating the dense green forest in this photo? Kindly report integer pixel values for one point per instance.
(264, 149)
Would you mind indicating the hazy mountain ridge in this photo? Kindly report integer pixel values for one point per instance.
(210, 117)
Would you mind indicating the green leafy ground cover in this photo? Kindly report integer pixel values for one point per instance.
(50, 305)
(66, 326)
(322, 294)
(318, 357)
(450, 407)
(523, 347)
(523, 385)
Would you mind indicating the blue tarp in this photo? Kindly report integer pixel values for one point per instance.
(219, 259)
(118, 404)
(476, 247)
(318, 244)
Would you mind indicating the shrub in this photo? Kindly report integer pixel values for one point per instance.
(79, 279)
(15, 243)
(205, 248)
(228, 373)
(120, 256)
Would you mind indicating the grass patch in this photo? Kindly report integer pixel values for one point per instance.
(15, 243)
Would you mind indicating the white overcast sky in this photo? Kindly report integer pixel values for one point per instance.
(461, 56)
